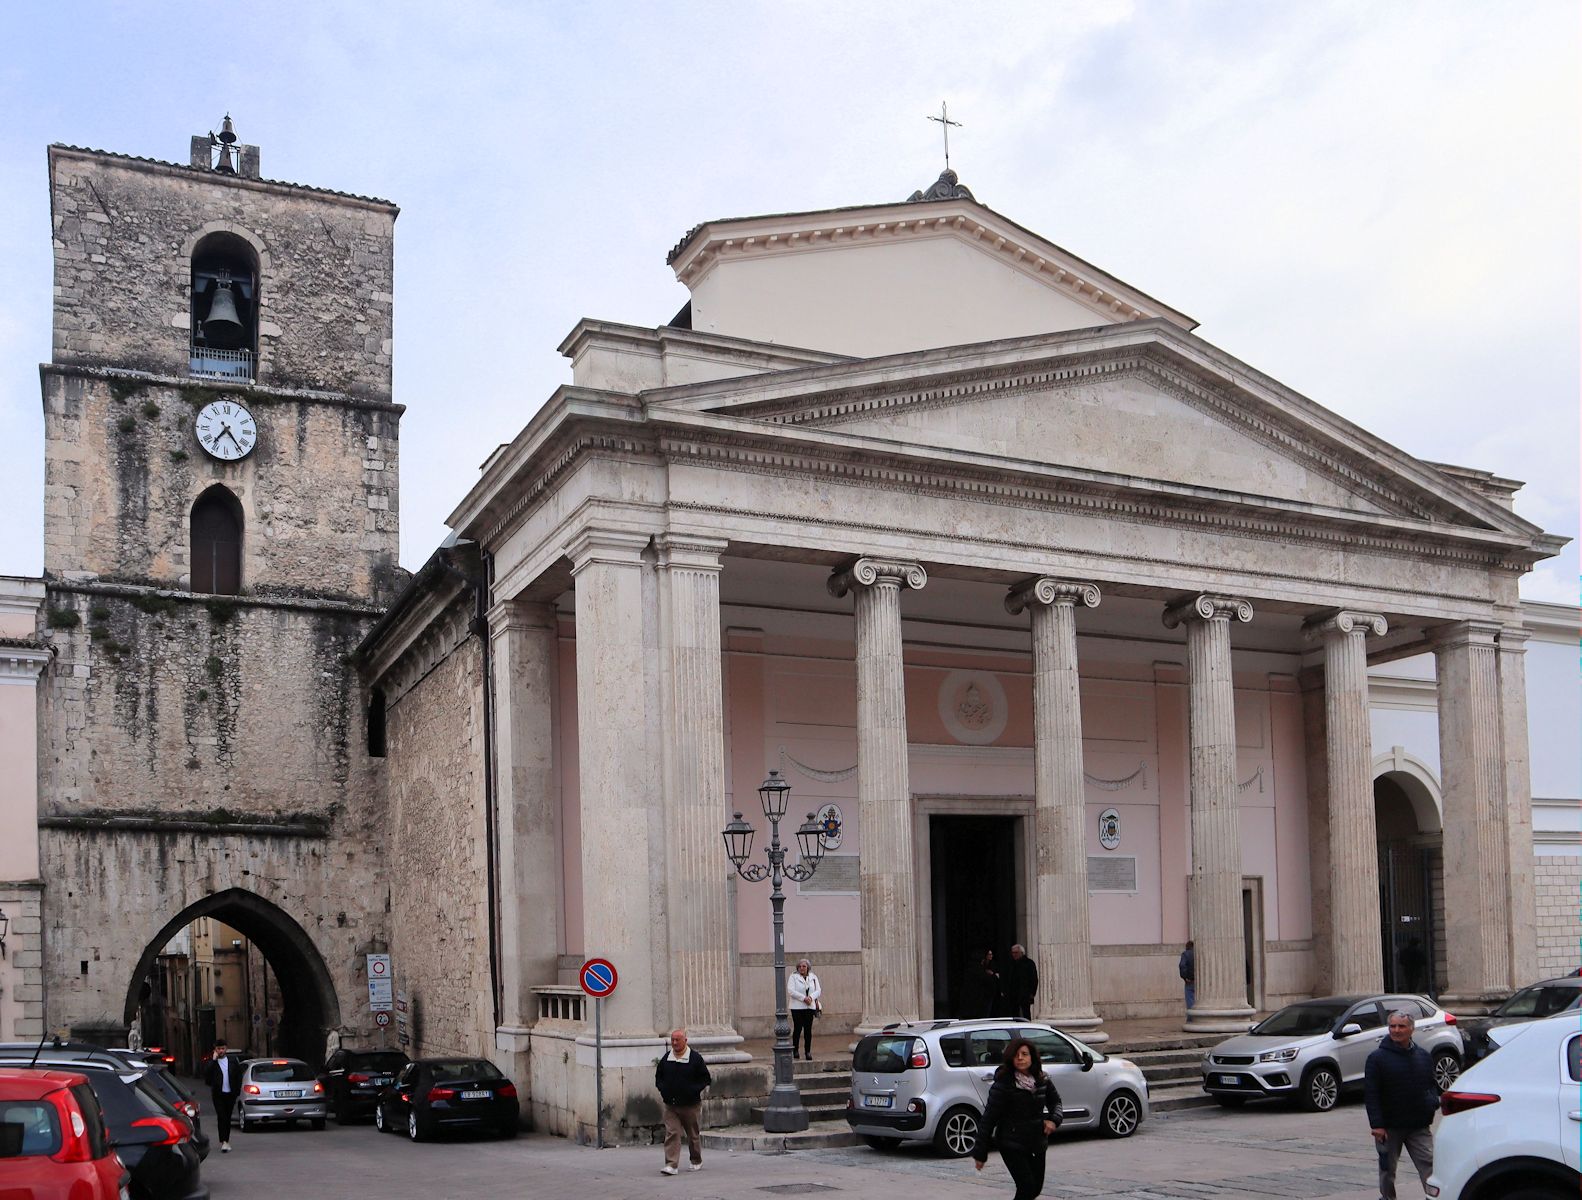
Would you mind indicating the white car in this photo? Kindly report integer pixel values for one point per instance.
(1512, 1124)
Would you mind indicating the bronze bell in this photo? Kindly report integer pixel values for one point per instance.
(223, 326)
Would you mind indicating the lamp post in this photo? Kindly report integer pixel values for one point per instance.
(785, 1113)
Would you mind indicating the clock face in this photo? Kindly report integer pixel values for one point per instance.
(226, 430)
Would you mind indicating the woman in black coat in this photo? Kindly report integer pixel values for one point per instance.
(980, 988)
(1023, 1110)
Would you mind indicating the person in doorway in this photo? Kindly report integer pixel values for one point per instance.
(806, 997)
(980, 987)
(680, 1076)
(1023, 1109)
(224, 1077)
(1020, 984)
(1186, 967)
(1401, 1096)
(1413, 958)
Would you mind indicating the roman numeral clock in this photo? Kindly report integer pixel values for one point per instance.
(226, 430)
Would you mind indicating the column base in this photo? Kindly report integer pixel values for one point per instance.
(1230, 1019)
(513, 1039)
(719, 1045)
(1087, 1028)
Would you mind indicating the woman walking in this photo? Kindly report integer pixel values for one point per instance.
(807, 1001)
(1022, 1111)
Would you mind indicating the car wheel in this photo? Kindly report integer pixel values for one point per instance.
(1539, 1193)
(343, 1113)
(1446, 1067)
(1320, 1089)
(316, 1123)
(414, 1128)
(241, 1121)
(1120, 1115)
(882, 1143)
(957, 1132)
(1230, 1101)
(379, 1119)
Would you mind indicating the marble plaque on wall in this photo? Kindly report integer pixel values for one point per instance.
(836, 873)
(1112, 873)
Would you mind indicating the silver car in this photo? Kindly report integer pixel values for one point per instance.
(279, 1089)
(1313, 1050)
(929, 1081)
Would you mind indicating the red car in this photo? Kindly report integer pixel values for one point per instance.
(53, 1144)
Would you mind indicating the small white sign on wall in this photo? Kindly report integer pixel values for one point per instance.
(1112, 873)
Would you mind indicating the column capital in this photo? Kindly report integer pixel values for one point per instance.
(877, 572)
(1345, 621)
(514, 613)
(1044, 590)
(620, 547)
(689, 551)
(1464, 633)
(1513, 639)
(1207, 608)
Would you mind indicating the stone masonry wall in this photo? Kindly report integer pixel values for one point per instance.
(124, 230)
(439, 914)
(123, 468)
(22, 970)
(1559, 880)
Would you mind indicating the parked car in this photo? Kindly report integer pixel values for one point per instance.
(353, 1079)
(928, 1082)
(432, 1094)
(149, 1135)
(1314, 1050)
(1530, 1004)
(53, 1140)
(279, 1089)
(1509, 1127)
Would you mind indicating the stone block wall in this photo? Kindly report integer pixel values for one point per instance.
(22, 970)
(124, 232)
(319, 494)
(1559, 880)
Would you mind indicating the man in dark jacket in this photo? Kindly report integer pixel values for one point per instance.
(681, 1075)
(1186, 967)
(1020, 984)
(1402, 1098)
(224, 1077)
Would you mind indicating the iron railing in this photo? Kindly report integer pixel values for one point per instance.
(210, 363)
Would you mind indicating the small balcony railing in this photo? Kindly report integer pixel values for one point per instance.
(561, 1004)
(210, 363)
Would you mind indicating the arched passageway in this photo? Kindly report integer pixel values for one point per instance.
(1411, 881)
(307, 1005)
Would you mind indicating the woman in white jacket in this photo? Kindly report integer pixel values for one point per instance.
(805, 995)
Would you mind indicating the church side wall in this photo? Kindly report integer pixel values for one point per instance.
(1559, 879)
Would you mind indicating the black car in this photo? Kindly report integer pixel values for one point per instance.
(353, 1079)
(1532, 1003)
(448, 1093)
(153, 1139)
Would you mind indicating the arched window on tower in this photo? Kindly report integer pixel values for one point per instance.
(224, 308)
(217, 542)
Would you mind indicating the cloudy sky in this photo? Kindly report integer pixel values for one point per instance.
(1375, 202)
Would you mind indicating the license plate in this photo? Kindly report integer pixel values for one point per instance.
(289, 1095)
(877, 1101)
(476, 1095)
(380, 1081)
(1230, 1080)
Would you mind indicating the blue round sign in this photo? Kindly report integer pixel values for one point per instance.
(597, 977)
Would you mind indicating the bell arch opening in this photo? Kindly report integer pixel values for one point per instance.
(224, 308)
(308, 1007)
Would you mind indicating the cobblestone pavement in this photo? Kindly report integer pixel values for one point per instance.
(1200, 1155)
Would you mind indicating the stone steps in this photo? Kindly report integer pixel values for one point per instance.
(1178, 1097)
(753, 1139)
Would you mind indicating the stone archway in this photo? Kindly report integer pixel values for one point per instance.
(1407, 815)
(311, 1008)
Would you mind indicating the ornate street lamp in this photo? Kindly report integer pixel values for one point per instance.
(785, 1113)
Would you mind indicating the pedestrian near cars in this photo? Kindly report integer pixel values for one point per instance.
(224, 1077)
(681, 1075)
(1186, 967)
(1399, 1089)
(980, 987)
(1020, 984)
(806, 997)
(1023, 1109)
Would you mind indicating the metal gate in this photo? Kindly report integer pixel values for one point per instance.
(1406, 913)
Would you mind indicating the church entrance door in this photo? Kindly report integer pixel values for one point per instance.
(975, 867)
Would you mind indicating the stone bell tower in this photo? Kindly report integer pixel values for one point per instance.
(220, 531)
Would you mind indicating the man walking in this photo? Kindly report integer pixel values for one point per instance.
(1402, 1098)
(1020, 984)
(1186, 967)
(680, 1076)
(224, 1078)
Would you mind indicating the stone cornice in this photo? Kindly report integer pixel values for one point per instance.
(430, 644)
(1044, 590)
(312, 604)
(655, 339)
(246, 392)
(23, 661)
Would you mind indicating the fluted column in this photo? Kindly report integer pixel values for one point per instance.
(1357, 963)
(1065, 993)
(1476, 853)
(1215, 894)
(701, 981)
(1518, 806)
(884, 792)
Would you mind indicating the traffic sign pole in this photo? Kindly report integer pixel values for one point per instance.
(598, 978)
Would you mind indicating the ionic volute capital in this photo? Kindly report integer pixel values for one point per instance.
(1343, 622)
(1207, 608)
(1044, 590)
(877, 572)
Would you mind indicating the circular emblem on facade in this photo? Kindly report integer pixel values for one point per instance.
(1110, 828)
(972, 706)
(830, 820)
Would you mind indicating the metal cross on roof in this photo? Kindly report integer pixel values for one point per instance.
(944, 125)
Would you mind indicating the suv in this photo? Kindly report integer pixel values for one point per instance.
(929, 1081)
(1510, 1125)
(1311, 1051)
(353, 1079)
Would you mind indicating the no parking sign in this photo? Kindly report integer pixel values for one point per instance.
(598, 978)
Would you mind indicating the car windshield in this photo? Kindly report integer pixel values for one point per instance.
(282, 1072)
(1539, 1001)
(465, 1069)
(391, 1062)
(28, 1129)
(1300, 1020)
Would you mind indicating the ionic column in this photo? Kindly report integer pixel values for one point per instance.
(1065, 991)
(1357, 963)
(1215, 894)
(1518, 806)
(884, 791)
(522, 653)
(701, 980)
(1476, 854)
